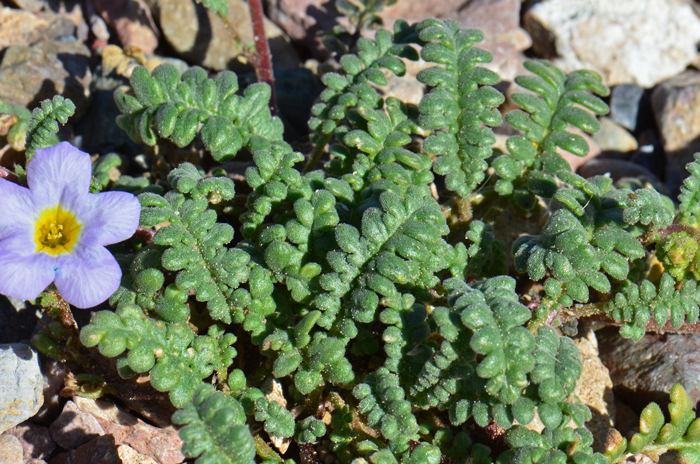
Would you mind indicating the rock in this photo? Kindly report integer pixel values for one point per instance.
(162, 445)
(19, 27)
(74, 427)
(594, 388)
(130, 455)
(201, 37)
(302, 20)
(101, 450)
(613, 137)
(30, 74)
(622, 40)
(499, 20)
(21, 384)
(132, 22)
(645, 370)
(628, 103)
(54, 372)
(36, 440)
(10, 449)
(17, 319)
(676, 105)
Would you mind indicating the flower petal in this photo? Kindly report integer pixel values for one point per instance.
(24, 275)
(57, 169)
(87, 277)
(107, 218)
(16, 209)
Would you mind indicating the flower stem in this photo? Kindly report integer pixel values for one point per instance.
(263, 62)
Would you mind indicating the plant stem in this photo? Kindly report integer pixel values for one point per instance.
(263, 62)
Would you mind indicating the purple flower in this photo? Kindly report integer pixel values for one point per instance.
(55, 231)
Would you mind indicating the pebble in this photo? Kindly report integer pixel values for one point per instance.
(10, 449)
(622, 40)
(614, 138)
(616, 168)
(54, 372)
(21, 384)
(676, 106)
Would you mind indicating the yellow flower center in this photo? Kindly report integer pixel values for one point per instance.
(56, 231)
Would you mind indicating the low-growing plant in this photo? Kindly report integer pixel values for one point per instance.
(377, 300)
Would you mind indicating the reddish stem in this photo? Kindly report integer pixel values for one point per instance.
(11, 176)
(263, 65)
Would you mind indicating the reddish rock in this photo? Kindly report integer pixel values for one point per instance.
(75, 427)
(160, 444)
(36, 440)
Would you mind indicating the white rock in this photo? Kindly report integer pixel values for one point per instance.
(21, 384)
(640, 41)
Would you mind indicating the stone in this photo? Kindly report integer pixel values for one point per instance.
(160, 444)
(30, 74)
(645, 370)
(628, 103)
(10, 449)
(101, 450)
(18, 27)
(36, 440)
(128, 454)
(613, 137)
(676, 106)
(619, 39)
(302, 20)
(201, 36)
(17, 319)
(594, 388)
(74, 427)
(132, 22)
(499, 20)
(21, 384)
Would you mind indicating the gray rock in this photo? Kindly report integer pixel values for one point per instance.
(201, 37)
(74, 427)
(676, 106)
(640, 41)
(10, 449)
(625, 102)
(21, 384)
(645, 370)
(30, 74)
(36, 440)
